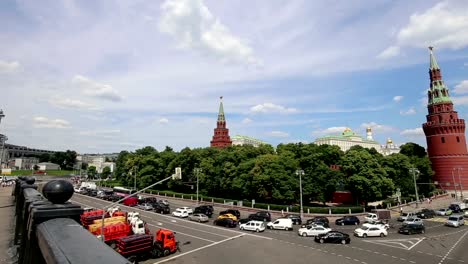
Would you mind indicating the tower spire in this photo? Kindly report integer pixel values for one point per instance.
(221, 117)
(438, 92)
(433, 64)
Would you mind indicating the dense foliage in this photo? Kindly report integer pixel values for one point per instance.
(266, 175)
(66, 159)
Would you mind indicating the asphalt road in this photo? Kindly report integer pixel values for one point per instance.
(205, 243)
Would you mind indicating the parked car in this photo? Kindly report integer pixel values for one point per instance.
(188, 209)
(231, 216)
(257, 226)
(455, 221)
(295, 218)
(261, 216)
(226, 222)
(204, 209)
(333, 237)
(313, 230)
(412, 229)
(236, 213)
(318, 220)
(180, 212)
(457, 207)
(245, 220)
(426, 213)
(281, 223)
(379, 224)
(347, 220)
(444, 212)
(404, 216)
(368, 231)
(199, 218)
(161, 208)
(145, 206)
(413, 220)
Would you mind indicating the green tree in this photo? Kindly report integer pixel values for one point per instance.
(92, 172)
(106, 172)
(413, 150)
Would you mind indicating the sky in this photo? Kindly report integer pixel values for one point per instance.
(112, 75)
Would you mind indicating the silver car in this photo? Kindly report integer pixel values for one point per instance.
(455, 221)
(145, 206)
(198, 217)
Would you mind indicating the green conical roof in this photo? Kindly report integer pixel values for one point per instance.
(221, 111)
(433, 65)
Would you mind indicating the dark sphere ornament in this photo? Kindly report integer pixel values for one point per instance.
(58, 191)
(29, 180)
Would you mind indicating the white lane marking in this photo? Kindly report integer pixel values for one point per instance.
(185, 234)
(416, 243)
(450, 251)
(198, 249)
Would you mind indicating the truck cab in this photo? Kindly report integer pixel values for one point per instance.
(166, 242)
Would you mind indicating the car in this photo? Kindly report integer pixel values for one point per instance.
(412, 229)
(281, 223)
(226, 222)
(348, 220)
(404, 216)
(244, 220)
(295, 218)
(333, 237)
(165, 202)
(380, 224)
(236, 213)
(466, 214)
(180, 212)
(145, 206)
(369, 231)
(161, 208)
(426, 213)
(444, 212)
(312, 230)
(188, 209)
(456, 208)
(413, 220)
(204, 209)
(198, 218)
(318, 220)
(261, 216)
(455, 221)
(257, 226)
(231, 216)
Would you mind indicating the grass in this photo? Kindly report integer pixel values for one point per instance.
(49, 173)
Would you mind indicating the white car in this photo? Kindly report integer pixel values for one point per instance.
(188, 209)
(413, 221)
(281, 223)
(455, 221)
(379, 224)
(257, 226)
(179, 212)
(370, 231)
(444, 211)
(313, 230)
(405, 216)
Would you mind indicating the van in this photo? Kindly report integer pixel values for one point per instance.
(281, 223)
(455, 221)
(130, 201)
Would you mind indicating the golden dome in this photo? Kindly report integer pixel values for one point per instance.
(389, 141)
(368, 129)
(347, 129)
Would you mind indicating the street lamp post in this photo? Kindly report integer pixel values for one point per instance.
(460, 183)
(454, 184)
(134, 177)
(300, 173)
(197, 172)
(414, 170)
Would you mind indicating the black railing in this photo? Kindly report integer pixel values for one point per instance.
(48, 230)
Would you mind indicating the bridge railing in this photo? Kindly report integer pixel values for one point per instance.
(47, 227)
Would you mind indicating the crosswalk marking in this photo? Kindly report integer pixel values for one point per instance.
(407, 244)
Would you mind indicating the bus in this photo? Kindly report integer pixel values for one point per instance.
(121, 191)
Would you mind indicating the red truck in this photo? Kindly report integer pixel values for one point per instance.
(130, 201)
(139, 247)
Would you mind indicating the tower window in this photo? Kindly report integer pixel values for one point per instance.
(451, 116)
(458, 139)
(443, 140)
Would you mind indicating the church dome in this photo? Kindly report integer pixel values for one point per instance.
(389, 141)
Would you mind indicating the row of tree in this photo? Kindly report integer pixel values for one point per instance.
(66, 159)
(269, 175)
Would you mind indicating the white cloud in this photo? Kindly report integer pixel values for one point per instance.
(410, 111)
(330, 130)
(389, 52)
(460, 100)
(461, 88)
(445, 25)
(193, 26)
(413, 132)
(71, 103)
(103, 133)
(377, 127)
(95, 89)
(163, 120)
(9, 67)
(397, 98)
(44, 122)
(246, 120)
(278, 134)
(271, 108)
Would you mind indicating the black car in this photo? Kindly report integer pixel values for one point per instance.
(161, 208)
(236, 213)
(317, 219)
(412, 229)
(426, 213)
(261, 216)
(348, 220)
(333, 237)
(296, 219)
(226, 222)
(204, 209)
(455, 208)
(244, 220)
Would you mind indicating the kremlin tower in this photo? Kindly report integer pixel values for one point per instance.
(445, 134)
(221, 137)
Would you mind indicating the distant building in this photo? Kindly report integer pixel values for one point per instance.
(44, 166)
(221, 137)
(239, 140)
(389, 148)
(347, 139)
(111, 166)
(23, 163)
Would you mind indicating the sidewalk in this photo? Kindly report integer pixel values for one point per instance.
(7, 212)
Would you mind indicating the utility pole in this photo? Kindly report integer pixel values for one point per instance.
(414, 170)
(135, 176)
(454, 185)
(197, 172)
(460, 183)
(300, 173)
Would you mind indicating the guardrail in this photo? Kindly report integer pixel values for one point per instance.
(47, 227)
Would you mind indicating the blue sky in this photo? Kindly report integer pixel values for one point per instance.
(103, 76)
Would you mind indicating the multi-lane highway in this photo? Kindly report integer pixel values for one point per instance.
(206, 243)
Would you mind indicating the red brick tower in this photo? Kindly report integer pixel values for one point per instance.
(445, 134)
(221, 137)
